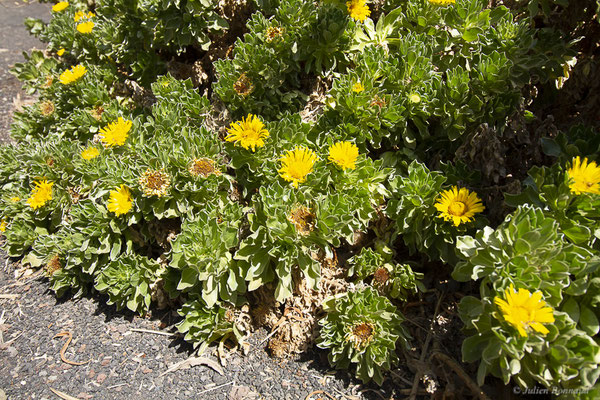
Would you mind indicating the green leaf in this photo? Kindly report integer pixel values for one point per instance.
(588, 321)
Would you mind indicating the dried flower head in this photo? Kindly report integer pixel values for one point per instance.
(49, 81)
(47, 108)
(53, 265)
(15, 199)
(360, 334)
(155, 183)
(243, 86)
(203, 167)
(381, 276)
(303, 219)
(97, 112)
(273, 32)
(378, 101)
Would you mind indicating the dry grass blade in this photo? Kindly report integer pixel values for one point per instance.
(63, 395)
(155, 332)
(8, 296)
(308, 396)
(64, 348)
(461, 374)
(192, 362)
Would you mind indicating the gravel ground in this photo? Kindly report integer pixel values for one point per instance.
(14, 39)
(123, 364)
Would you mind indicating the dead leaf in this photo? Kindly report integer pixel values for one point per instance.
(192, 362)
(63, 395)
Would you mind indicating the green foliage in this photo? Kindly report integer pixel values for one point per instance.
(128, 281)
(362, 328)
(416, 218)
(528, 251)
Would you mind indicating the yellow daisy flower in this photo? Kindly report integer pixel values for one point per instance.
(442, 2)
(116, 132)
(584, 176)
(3, 226)
(79, 15)
(358, 87)
(358, 9)
(41, 194)
(90, 153)
(15, 199)
(85, 27)
(60, 52)
(344, 154)
(458, 206)
(58, 7)
(296, 164)
(72, 75)
(249, 132)
(120, 201)
(524, 310)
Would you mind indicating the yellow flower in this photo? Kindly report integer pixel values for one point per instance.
(60, 52)
(85, 27)
(58, 7)
(442, 2)
(15, 199)
(120, 201)
(72, 75)
(249, 132)
(358, 87)
(358, 9)
(41, 194)
(3, 226)
(458, 206)
(524, 310)
(296, 164)
(155, 183)
(90, 153)
(79, 15)
(344, 154)
(115, 133)
(585, 177)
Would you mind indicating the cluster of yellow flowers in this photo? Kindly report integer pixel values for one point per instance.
(72, 75)
(87, 25)
(296, 164)
(41, 194)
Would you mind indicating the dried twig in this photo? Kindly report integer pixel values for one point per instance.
(308, 396)
(193, 361)
(175, 334)
(8, 296)
(216, 387)
(419, 374)
(64, 348)
(461, 374)
(63, 395)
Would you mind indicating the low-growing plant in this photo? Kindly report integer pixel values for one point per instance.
(362, 328)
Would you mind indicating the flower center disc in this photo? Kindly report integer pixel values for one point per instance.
(457, 208)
